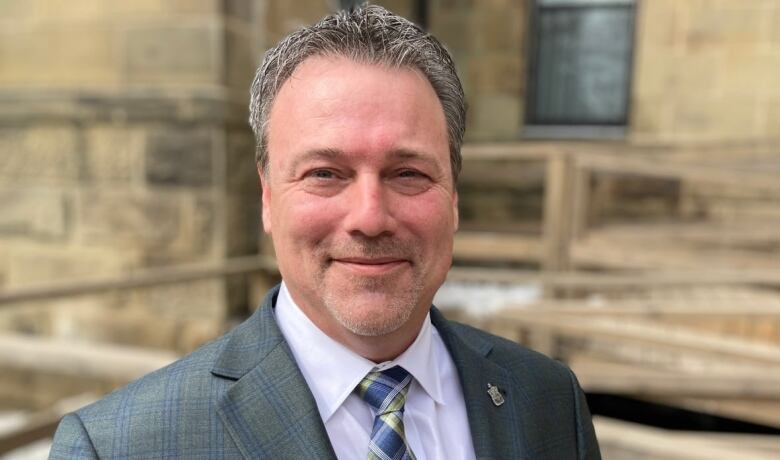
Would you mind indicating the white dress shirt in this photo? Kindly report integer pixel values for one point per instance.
(435, 418)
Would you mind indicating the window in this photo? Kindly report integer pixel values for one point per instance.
(580, 69)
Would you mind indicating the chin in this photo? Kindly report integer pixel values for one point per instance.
(372, 313)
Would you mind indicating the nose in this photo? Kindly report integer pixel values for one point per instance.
(369, 212)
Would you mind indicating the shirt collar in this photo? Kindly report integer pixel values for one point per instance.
(332, 370)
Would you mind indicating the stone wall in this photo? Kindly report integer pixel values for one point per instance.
(706, 70)
(124, 144)
(488, 42)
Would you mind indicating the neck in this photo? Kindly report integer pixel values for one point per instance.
(379, 348)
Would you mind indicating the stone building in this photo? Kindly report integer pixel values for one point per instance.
(124, 145)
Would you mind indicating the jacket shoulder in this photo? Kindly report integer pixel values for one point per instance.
(191, 368)
(147, 410)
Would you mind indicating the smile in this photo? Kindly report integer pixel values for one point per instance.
(370, 266)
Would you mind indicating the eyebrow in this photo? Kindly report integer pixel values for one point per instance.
(406, 154)
(335, 154)
(316, 154)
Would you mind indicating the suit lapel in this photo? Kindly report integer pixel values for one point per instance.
(269, 411)
(497, 431)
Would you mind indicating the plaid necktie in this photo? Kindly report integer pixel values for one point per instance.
(385, 391)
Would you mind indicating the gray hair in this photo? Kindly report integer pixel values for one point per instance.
(368, 34)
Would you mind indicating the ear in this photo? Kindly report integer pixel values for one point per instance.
(266, 199)
(455, 215)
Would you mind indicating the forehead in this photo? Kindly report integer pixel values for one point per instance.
(323, 76)
(334, 102)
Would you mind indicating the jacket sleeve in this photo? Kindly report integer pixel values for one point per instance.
(587, 445)
(71, 441)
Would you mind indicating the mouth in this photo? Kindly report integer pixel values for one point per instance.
(370, 266)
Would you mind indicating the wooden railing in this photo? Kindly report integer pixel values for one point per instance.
(140, 278)
(567, 194)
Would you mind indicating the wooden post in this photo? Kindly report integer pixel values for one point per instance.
(558, 214)
(582, 209)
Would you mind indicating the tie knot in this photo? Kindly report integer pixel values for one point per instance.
(385, 390)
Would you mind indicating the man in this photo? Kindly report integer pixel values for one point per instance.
(359, 121)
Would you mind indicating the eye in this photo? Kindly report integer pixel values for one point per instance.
(410, 181)
(322, 174)
(409, 173)
(323, 181)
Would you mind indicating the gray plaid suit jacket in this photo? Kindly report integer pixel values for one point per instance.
(242, 396)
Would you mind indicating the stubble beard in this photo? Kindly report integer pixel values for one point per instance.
(373, 306)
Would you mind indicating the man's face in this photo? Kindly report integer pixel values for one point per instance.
(359, 198)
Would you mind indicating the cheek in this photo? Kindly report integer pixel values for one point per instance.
(307, 219)
(431, 219)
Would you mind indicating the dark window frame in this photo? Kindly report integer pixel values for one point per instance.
(562, 128)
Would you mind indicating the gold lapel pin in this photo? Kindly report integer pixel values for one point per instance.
(495, 395)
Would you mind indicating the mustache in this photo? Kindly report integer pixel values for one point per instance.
(372, 249)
